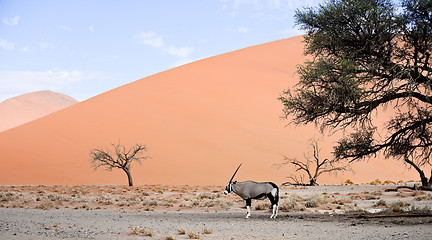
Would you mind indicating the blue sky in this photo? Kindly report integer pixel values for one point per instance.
(84, 48)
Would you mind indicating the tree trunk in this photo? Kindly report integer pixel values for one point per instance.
(128, 173)
(423, 177)
(312, 181)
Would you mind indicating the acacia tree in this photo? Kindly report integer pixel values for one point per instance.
(312, 165)
(365, 56)
(120, 158)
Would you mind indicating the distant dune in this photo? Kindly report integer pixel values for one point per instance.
(199, 122)
(28, 107)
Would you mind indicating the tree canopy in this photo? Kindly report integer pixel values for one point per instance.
(367, 55)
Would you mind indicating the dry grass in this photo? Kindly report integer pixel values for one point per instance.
(201, 198)
(140, 231)
(169, 237)
(194, 235)
(181, 231)
(207, 231)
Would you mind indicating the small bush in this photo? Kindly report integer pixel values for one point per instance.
(211, 203)
(262, 206)
(420, 210)
(372, 197)
(291, 205)
(207, 231)
(349, 182)
(6, 197)
(181, 231)
(399, 206)
(195, 203)
(140, 231)
(380, 203)
(342, 201)
(105, 200)
(386, 182)
(423, 197)
(150, 203)
(45, 206)
(376, 182)
(208, 195)
(311, 203)
(194, 235)
(168, 237)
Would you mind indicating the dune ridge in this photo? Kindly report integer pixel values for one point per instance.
(199, 121)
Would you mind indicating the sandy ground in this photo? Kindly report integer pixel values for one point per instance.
(184, 212)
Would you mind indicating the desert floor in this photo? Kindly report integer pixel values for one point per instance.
(185, 212)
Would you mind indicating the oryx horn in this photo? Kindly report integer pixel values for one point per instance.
(235, 173)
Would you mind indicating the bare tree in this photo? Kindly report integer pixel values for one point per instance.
(313, 166)
(120, 158)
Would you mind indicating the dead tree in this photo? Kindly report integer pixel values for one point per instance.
(120, 158)
(313, 166)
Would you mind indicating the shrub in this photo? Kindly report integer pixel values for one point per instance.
(376, 182)
(150, 203)
(424, 197)
(388, 182)
(291, 204)
(399, 206)
(211, 203)
(207, 231)
(420, 210)
(262, 206)
(194, 235)
(208, 195)
(168, 237)
(380, 203)
(140, 231)
(181, 231)
(45, 206)
(195, 203)
(105, 200)
(6, 197)
(312, 203)
(372, 197)
(349, 182)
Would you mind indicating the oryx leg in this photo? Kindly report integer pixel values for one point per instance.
(275, 211)
(274, 202)
(248, 206)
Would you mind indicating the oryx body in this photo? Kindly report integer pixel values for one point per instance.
(249, 190)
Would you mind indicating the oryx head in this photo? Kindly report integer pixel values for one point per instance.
(228, 188)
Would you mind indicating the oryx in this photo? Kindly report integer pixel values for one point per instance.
(249, 190)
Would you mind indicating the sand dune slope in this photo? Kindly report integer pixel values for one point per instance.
(199, 122)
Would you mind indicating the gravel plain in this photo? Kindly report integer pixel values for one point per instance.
(109, 224)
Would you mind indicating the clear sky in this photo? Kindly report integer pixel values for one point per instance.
(86, 47)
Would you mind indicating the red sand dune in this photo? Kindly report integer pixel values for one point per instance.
(28, 107)
(199, 122)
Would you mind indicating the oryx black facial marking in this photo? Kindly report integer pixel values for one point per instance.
(249, 190)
